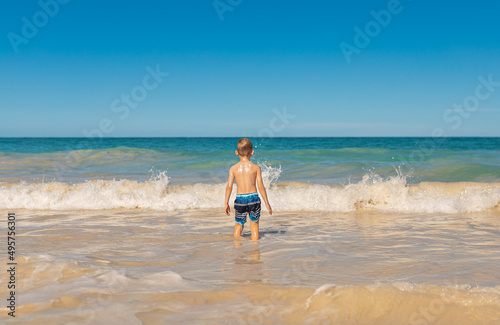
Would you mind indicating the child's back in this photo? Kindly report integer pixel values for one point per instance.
(247, 175)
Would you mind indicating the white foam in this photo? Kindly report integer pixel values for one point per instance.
(322, 289)
(371, 193)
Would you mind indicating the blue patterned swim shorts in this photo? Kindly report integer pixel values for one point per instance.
(246, 203)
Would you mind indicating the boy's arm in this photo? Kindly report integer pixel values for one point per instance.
(229, 188)
(262, 190)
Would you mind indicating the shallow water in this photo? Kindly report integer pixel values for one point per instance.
(133, 266)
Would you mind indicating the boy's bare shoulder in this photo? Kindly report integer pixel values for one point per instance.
(246, 163)
(255, 166)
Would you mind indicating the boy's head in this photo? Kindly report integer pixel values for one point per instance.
(245, 148)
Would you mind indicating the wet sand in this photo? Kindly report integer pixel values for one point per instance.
(150, 267)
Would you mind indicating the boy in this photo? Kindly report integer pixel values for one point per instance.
(247, 200)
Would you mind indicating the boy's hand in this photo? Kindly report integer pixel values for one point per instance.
(268, 206)
(227, 209)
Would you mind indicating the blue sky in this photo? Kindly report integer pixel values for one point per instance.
(236, 67)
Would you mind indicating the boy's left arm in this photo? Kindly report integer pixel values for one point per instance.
(229, 188)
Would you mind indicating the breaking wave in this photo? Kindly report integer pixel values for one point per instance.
(371, 193)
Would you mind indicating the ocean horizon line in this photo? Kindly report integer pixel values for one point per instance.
(238, 137)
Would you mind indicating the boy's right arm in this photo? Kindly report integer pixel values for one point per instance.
(229, 188)
(262, 190)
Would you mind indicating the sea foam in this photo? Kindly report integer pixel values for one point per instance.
(373, 192)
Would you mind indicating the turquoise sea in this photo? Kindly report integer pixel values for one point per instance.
(81, 173)
(334, 161)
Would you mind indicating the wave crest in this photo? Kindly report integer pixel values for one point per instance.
(371, 193)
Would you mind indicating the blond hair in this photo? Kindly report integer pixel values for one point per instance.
(245, 147)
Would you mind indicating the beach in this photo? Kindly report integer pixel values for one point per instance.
(363, 231)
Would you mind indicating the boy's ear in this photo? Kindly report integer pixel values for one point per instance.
(236, 152)
(251, 153)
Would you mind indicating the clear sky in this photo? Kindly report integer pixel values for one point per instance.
(249, 68)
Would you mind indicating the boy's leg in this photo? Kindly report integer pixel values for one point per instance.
(254, 217)
(254, 229)
(238, 228)
(240, 217)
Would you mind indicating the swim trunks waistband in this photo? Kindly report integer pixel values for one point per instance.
(246, 194)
